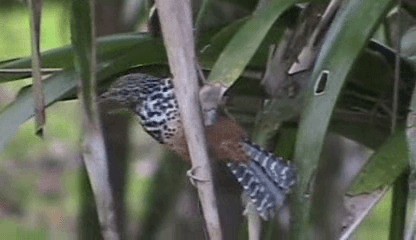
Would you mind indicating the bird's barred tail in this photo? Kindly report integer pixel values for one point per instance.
(266, 179)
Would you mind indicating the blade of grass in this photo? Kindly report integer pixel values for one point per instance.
(341, 48)
(35, 7)
(94, 153)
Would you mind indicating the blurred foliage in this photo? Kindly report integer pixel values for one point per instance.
(10, 230)
(360, 109)
(16, 34)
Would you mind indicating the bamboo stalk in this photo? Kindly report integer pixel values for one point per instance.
(177, 29)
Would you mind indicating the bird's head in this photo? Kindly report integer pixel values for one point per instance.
(129, 90)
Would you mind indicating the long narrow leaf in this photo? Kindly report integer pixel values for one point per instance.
(244, 44)
(211, 50)
(108, 48)
(345, 40)
(21, 109)
(384, 166)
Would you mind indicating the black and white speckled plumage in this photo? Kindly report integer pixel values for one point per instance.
(152, 99)
(266, 179)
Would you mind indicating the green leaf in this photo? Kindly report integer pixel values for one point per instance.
(246, 41)
(216, 44)
(345, 39)
(107, 48)
(384, 166)
(211, 50)
(21, 109)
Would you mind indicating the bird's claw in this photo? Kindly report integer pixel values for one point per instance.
(193, 178)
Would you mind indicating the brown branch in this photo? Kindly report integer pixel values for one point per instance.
(39, 98)
(177, 29)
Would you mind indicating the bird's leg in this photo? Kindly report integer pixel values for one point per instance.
(193, 178)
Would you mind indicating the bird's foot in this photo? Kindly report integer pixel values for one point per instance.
(193, 178)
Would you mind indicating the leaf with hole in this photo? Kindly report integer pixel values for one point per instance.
(340, 50)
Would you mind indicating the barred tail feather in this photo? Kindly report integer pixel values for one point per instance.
(267, 179)
(281, 172)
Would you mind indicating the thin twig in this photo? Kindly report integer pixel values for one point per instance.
(36, 12)
(359, 216)
(29, 70)
(176, 23)
(396, 72)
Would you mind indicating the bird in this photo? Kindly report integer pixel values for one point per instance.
(265, 178)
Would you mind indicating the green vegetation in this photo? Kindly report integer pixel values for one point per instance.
(9, 229)
(40, 178)
(62, 136)
(15, 40)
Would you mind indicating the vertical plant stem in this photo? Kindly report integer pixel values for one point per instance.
(400, 186)
(39, 98)
(398, 207)
(177, 29)
(396, 72)
(253, 222)
(411, 144)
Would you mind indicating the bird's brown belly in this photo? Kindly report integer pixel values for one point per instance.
(224, 140)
